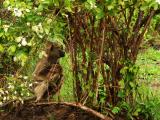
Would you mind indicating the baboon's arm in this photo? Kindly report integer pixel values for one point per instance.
(55, 77)
(40, 78)
(41, 66)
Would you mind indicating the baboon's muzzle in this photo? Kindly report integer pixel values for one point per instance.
(62, 53)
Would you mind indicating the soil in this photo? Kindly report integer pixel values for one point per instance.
(30, 111)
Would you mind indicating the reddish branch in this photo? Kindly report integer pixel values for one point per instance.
(82, 107)
(138, 37)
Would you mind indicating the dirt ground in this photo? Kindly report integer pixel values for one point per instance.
(30, 111)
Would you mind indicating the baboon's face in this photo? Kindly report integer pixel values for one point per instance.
(56, 51)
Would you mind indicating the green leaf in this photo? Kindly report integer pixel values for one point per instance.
(47, 29)
(11, 50)
(90, 4)
(136, 113)
(22, 56)
(47, 2)
(1, 48)
(58, 37)
(121, 94)
(56, 2)
(99, 14)
(116, 110)
(110, 7)
(40, 7)
(144, 7)
(121, 83)
(155, 6)
(68, 6)
(131, 84)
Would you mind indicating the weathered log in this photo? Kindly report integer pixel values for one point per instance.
(80, 106)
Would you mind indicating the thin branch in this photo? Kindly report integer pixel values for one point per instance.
(144, 21)
(130, 16)
(124, 14)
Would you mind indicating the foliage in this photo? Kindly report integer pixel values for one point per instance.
(149, 61)
(149, 82)
(15, 89)
(67, 89)
(102, 38)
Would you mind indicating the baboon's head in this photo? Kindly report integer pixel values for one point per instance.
(54, 51)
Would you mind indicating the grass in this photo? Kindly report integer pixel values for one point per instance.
(67, 88)
(149, 76)
(149, 62)
(149, 73)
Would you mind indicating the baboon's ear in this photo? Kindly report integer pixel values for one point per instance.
(49, 46)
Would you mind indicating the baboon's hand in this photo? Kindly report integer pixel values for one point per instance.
(55, 77)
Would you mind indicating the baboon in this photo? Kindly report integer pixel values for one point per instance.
(48, 72)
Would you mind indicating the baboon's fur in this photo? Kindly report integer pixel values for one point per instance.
(48, 72)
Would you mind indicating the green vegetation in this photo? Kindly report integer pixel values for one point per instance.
(149, 79)
(104, 67)
(67, 88)
(149, 61)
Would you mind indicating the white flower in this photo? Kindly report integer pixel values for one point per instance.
(40, 36)
(25, 77)
(5, 27)
(20, 76)
(66, 15)
(30, 85)
(1, 103)
(36, 82)
(7, 97)
(93, 5)
(28, 23)
(39, 13)
(28, 93)
(24, 42)
(11, 87)
(1, 91)
(158, 1)
(4, 98)
(27, 10)
(22, 85)
(38, 28)
(35, 28)
(49, 21)
(17, 12)
(14, 97)
(15, 92)
(18, 39)
(19, 45)
(40, 25)
(9, 8)
(29, 44)
(22, 102)
(15, 59)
